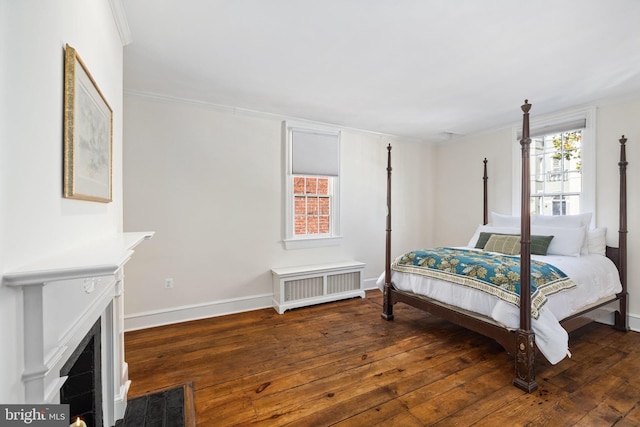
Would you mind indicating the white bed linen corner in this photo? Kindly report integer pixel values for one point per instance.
(595, 276)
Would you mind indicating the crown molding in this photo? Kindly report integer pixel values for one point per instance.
(158, 97)
(120, 17)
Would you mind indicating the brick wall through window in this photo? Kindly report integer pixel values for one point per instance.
(312, 205)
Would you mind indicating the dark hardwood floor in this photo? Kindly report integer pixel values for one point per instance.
(341, 364)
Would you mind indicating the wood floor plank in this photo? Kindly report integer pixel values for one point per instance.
(344, 384)
(473, 414)
(341, 364)
(329, 365)
(632, 418)
(469, 393)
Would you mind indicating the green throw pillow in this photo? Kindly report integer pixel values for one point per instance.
(504, 244)
(484, 238)
(539, 244)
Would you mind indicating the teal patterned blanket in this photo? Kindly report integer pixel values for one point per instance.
(498, 275)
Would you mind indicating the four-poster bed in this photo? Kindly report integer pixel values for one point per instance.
(518, 335)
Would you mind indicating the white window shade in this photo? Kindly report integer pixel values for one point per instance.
(564, 126)
(315, 153)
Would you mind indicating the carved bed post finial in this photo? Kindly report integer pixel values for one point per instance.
(525, 119)
(623, 153)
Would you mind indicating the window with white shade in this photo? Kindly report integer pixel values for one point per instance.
(556, 172)
(562, 164)
(312, 187)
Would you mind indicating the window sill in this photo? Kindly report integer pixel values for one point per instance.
(317, 242)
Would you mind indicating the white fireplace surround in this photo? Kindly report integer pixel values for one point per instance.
(63, 297)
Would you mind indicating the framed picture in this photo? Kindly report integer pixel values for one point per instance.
(87, 134)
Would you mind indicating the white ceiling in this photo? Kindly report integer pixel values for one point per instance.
(413, 68)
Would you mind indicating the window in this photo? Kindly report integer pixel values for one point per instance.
(556, 173)
(312, 187)
(562, 164)
(312, 205)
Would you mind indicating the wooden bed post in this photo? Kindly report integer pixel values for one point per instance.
(387, 303)
(525, 338)
(485, 203)
(621, 318)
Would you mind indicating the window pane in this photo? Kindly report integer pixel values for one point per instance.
(537, 164)
(323, 207)
(574, 182)
(324, 224)
(312, 206)
(298, 185)
(558, 206)
(553, 183)
(300, 225)
(312, 225)
(323, 186)
(573, 158)
(300, 205)
(537, 185)
(536, 205)
(572, 204)
(537, 146)
(312, 185)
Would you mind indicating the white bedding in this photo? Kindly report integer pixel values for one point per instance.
(595, 275)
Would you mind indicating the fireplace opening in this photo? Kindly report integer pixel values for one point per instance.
(83, 388)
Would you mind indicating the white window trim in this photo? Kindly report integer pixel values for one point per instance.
(588, 195)
(290, 240)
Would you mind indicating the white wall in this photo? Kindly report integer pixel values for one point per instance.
(210, 183)
(459, 190)
(35, 221)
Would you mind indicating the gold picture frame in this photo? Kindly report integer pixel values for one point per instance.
(88, 133)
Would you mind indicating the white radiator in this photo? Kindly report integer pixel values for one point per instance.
(314, 284)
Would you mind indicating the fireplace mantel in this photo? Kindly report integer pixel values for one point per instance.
(63, 296)
(102, 257)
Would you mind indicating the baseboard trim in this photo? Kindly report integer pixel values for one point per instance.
(634, 322)
(187, 313)
(369, 284)
(169, 316)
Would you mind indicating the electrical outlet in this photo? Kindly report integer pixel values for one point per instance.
(168, 283)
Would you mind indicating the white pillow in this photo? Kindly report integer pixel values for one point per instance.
(491, 229)
(567, 221)
(566, 241)
(597, 241)
(500, 220)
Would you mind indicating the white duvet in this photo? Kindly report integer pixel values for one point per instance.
(595, 276)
